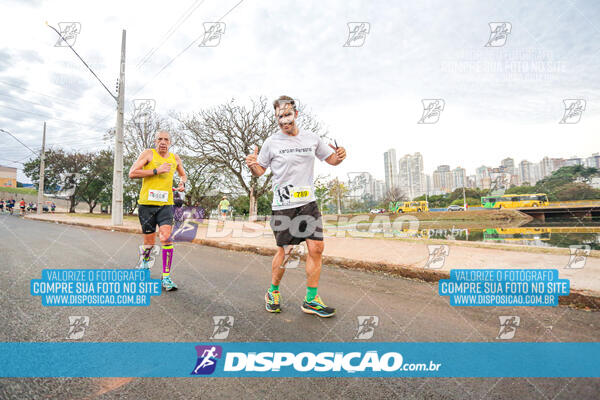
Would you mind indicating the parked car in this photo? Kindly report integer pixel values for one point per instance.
(455, 207)
(377, 211)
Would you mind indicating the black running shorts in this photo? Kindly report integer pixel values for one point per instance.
(150, 216)
(295, 225)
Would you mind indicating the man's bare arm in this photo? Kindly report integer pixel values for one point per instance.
(180, 170)
(337, 157)
(137, 169)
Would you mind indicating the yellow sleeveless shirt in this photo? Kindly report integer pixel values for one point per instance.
(157, 189)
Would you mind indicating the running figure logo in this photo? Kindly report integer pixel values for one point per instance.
(437, 255)
(77, 326)
(294, 255)
(432, 109)
(186, 223)
(508, 327)
(574, 108)
(579, 254)
(143, 109)
(366, 326)
(223, 324)
(69, 32)
(499, 32)
(207, 359)
(357, 34)
(212, 34)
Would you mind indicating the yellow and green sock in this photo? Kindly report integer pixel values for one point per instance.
(311, 293)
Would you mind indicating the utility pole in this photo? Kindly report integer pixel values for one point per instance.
(464, 199)
(40, 198)
(117, 194)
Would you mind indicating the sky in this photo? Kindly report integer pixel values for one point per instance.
(499, 100)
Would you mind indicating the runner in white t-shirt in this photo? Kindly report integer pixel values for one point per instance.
(296, 218)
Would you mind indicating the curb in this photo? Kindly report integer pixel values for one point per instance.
(579, 299)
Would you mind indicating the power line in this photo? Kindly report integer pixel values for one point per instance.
(17, 139)
(183, 51)
(84, 63)
(40, 93)
(170, 32)
(47, 117)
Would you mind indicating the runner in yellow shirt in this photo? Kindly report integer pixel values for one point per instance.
(224, 207)
(156, 168)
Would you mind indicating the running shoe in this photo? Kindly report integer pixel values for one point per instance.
(168, 284)
(272, 300)
(317, 307)
(143, 264)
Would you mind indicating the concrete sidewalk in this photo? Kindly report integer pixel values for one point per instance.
(404, 257)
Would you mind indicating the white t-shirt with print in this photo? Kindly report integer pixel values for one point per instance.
(292, 162)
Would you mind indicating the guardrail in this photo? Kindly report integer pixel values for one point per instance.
(578, 203)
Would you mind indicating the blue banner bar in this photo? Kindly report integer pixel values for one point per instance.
(293, 359)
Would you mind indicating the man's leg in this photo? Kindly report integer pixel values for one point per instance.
(314, 260)
(164, 234)
(147, 217)
(273, 297)
(149, 239)
(276, 267)
(314, 242)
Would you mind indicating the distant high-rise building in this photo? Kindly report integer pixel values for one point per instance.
(411, 178)
(558, 163)
(593, 161)
(471, 181)
(459, 178)
(390, 169)
(442, 179)
(546, 167)
(428, 185)
(573, 161)
(509, 165)
(379, 190)
(525, 172)
(482, 177)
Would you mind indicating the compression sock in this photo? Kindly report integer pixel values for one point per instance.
(311, 293)
(273, 288)
(147, 252)
(167, 253)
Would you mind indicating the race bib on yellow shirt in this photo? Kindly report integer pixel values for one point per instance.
(158, 195)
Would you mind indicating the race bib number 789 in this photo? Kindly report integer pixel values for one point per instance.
(300, 194)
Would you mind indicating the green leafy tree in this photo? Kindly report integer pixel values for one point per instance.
(523, 189)
(96, 187)
(563, 176)
(576, 191)
(65, 172)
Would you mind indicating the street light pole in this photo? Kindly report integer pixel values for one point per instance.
(40, 198)
(117, 194)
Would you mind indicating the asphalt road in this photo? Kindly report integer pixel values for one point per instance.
(216, 282)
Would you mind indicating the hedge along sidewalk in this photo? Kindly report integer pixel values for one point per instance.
(396, 257)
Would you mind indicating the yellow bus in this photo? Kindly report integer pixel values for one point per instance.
(409, 206)
(515, 201)
(530, 233)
